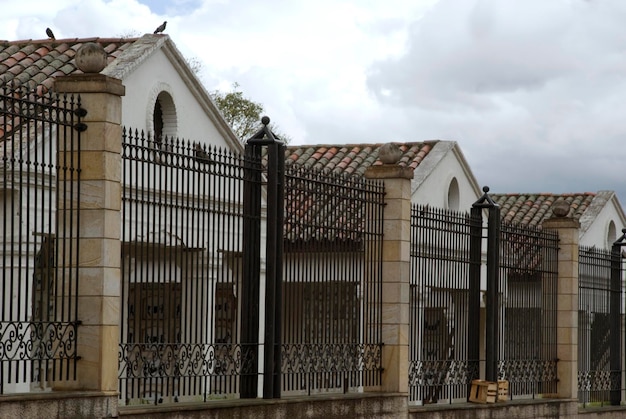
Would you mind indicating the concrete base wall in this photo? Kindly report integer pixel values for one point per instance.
(74, 405)
(386, 406)
(51, 405)
(544, 408)
(618, 412)
(517, 409)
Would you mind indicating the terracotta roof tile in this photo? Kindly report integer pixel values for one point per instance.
(34, 62)
(10, 62)
(19, 55)
(533, 209)
(352, 158)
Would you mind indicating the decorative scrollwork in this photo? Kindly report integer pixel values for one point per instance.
(146, 360)
(599, 380)
(330, 358)
(37, 341)
(442, 372)
(527, 370)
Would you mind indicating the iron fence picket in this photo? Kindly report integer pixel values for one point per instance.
(183, 234)
(40, 152)
(181, 314)
(598, 381)
(528, 285)
(442, 260)
(439, 368)
(332, 282)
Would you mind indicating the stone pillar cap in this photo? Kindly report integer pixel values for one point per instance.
(91, 58)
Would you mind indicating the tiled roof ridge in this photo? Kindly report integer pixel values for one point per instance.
(355, 158)
(131, 57)
(353, 145)
(544, 194)
(533, 208)
(60, 41)
(35, 64)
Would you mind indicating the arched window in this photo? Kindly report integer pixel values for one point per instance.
(164, 125)
(611, 234)
(453, 195)
(157, 118)
(164, 121)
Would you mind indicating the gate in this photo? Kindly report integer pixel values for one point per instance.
(40, 172)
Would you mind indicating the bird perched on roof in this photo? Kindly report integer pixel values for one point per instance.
(161, 28)
(50, 34)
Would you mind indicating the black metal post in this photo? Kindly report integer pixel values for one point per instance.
(492, 303)
(493, 279)
(274, 249)
(251, 272)
(473, 324)
(270, 279)
(278, 151)
(615, 319)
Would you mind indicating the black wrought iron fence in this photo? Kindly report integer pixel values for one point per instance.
(192, 306)
(441, 364)
(528, 309)
(39, 149)
(182, 272)
(332, 283)
(446, 286)
(599, 326)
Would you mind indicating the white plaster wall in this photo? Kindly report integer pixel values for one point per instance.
(157, 74)
(596, 234)
(433, 190)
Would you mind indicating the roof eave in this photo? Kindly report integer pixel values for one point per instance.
(134, 56)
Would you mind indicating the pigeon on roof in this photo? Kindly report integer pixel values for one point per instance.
(50, 34)
(161, 28)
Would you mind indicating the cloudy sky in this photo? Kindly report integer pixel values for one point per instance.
(533, 90)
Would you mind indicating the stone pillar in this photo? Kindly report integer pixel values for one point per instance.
(567, 301)
(100, 220)
(395, 271)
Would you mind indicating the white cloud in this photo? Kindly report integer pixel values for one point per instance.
(532, 90)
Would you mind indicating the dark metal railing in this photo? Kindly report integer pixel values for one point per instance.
(599, 326)
(332, 284)
(182, 233)
(528, 286)
(40, 172)
(520, 286)
(442, 359)
(194, 223)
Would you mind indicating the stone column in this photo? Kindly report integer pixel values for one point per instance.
(567, 301)
(100, 220)
(395, 269)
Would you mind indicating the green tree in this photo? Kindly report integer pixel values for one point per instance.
(242, 114)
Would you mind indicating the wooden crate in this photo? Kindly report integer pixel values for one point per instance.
(503, 390)
(483, 391)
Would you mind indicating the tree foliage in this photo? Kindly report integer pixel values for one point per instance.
(242, 114)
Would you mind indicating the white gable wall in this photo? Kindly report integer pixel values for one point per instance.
(143, 85)
(432, 179)
(598, 232)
